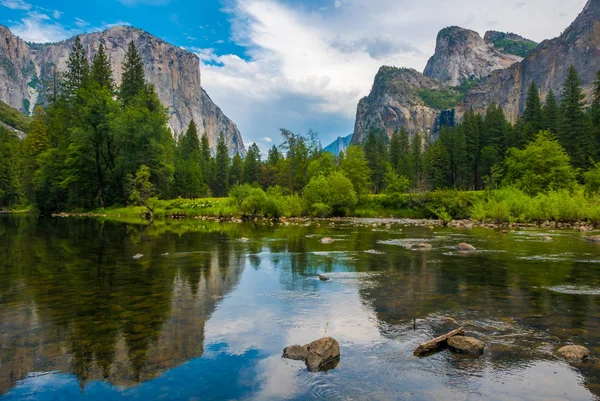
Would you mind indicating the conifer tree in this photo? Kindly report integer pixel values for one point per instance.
(416, 158)
(188, 173)
(550, 113)
(133, 75)
(34, 144)
(574, 129)
(395, 150)
(252, 168)
(221, 184)
(436, 164)
(206, 164)
(101, 71)
(532, 115)
(472, 126)
(78, 70)
(376, 154)
(236, 173)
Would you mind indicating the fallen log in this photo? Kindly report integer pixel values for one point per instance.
(430, 346)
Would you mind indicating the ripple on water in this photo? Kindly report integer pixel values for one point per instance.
(574, 290)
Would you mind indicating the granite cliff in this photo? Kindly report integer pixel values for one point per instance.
(469, 71)
(25, 67)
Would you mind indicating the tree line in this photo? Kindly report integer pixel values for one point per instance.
(97, 145)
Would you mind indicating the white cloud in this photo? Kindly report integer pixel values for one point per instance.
(267, 139)
(16, 4)
(309, 67)
(144, 2)
(39, 31)
(38, 16)
(57, 14)
(81, 23)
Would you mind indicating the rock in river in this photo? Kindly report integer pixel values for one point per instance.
(138, 256)
(425, 246)
(327, 240)
(464, 247)
(574, 352)
(594, 239)
(323, 278)
(295, 352)
(321, 352)
(466, 345)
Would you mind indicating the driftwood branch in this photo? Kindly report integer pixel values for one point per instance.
(430, 346)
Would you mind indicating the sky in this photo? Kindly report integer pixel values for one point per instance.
(296, 64)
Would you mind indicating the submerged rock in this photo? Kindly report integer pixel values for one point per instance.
(321, 352)
(574, 352)
(466, 345)
(244, 239)
(323, 278)
(138, 256)
(547, 238)
(464, 247)
(425, 246)
(326, 240)
(295, 352)
(594, 239)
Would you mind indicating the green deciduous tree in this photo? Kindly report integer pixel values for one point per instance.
(354, 165)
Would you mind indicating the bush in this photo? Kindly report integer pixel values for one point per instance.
(320, 210)
(592, 180)
(336, 191)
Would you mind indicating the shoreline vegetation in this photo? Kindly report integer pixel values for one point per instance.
(507, 207)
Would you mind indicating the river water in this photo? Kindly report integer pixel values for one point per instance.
(200, 314)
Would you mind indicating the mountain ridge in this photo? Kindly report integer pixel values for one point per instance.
(175, 72)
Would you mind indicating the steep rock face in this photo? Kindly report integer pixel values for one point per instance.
(461, 54)
(547, 66)
(339, 145)
(394, 102)
(174, 71)
(510, 43)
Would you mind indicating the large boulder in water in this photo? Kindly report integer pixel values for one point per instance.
(464, 247)
(296, 352)
(321, 352)
(574, 352)
(466, 345)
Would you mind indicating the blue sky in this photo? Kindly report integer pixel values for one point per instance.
(294, 64)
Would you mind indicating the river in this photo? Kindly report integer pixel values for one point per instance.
(191, 310)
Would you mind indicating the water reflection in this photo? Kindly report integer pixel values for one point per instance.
(203, 315)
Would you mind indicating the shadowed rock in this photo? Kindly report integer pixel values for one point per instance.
(323, 278)
(295, 352)
(321, 353)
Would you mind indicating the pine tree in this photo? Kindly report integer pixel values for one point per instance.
(133, 75)
(472, 126)
(455, 143)
(101, 71)
(416, 159)
(437, 166)
(532, 115)
(595, 114)
(206, 162)
(376, 154)
(10, 192)
(221, 184)
(355, 166)
(188, 173)
(236, 173)
(252, 168)
(574, 129)
(550, 113)
(78, 70)
(34, 144)
(395, 150)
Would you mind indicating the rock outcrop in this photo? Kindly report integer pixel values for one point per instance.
(547, 66)
(395, 102)
(463, 55)
(27, 69)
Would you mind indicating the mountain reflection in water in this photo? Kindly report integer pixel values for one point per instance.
(203, 315)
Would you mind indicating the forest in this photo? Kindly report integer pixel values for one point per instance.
(98, 146)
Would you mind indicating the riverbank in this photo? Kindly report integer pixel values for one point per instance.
(507, 207)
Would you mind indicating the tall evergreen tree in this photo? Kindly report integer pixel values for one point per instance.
(437, 166)
(416, 159)
(550, 113)
(188, 173)
(206, 164)
(532, 115)
(574, 129)
(34, 144)
(453, 139)
(395, 150)
(236, 173)
(221, 184)
(133, 80)
(355, 166)
(472, 126)
(101, 71)
(252, 168)
(78, 70)
(376, 154)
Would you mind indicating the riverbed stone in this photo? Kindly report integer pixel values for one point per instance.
(321, 352)
(327, 240)
(574, 352)
(547, 238)
(138, 256)
(296, 352)
(323, 278)
(425, 245)
(594, 239)
(464, 247)
(466, 345)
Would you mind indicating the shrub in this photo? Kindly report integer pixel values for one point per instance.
(320, 210)
(336, 191)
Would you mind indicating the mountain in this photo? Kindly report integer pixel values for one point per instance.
(26, 69)
(468, 71)
(547, 66)
(461, 54)
(339, 145)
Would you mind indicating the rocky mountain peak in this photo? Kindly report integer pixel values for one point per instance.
(462, 55)
(174, 72)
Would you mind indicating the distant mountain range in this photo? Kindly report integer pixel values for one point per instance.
(468, 71)
(339, 145)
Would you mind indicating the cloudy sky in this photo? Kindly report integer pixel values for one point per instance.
(297, 64)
